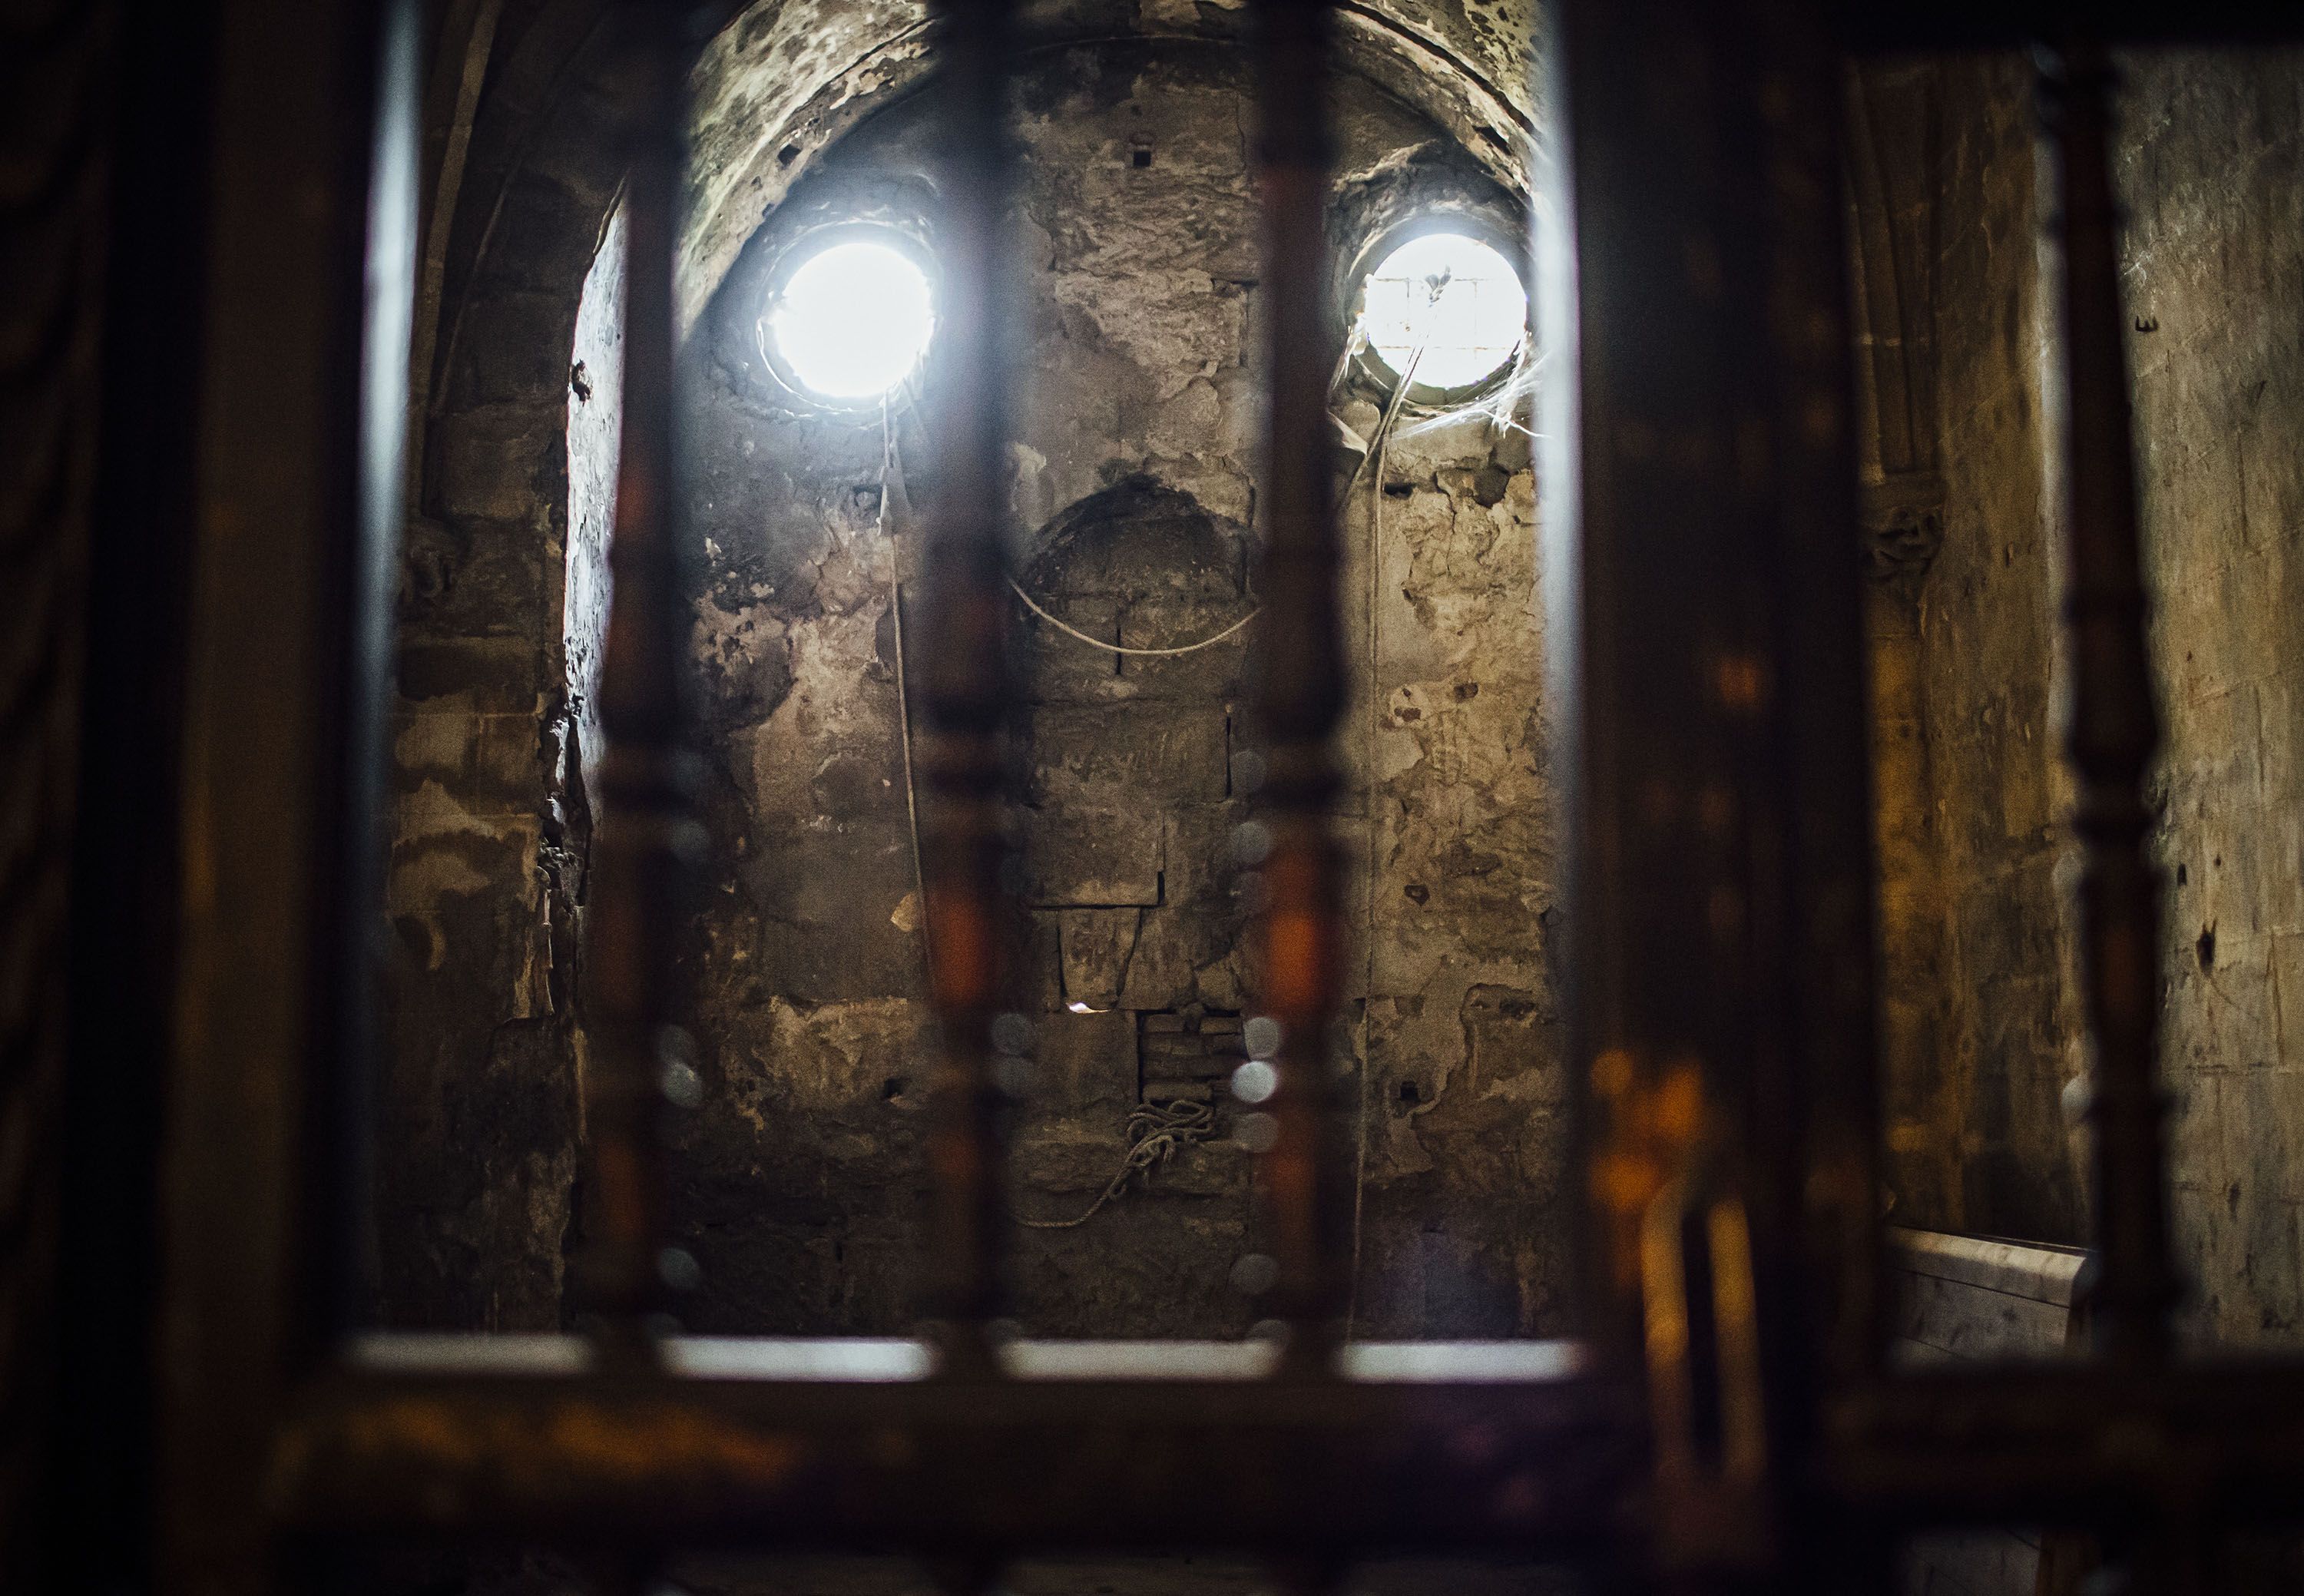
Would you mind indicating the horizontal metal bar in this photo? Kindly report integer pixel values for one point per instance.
(2072, 1444)
(422, 1354)
(849, 1444)
(846, 1445)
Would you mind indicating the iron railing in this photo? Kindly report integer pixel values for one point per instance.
(1727, 1411)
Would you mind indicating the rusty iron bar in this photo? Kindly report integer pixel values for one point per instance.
(1704, 566)
(1299, 694)
(968, 694)
(2112, 733)
(648, 838)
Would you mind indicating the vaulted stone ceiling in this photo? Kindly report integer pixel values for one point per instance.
(787, 77)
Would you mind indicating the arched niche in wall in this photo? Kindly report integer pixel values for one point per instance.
(1128, 755)
(1139, 962)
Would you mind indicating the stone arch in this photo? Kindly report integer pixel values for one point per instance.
(1129, 790)
(786, 77)
(485, 881)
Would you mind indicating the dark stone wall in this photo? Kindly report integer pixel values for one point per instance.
(1978, 1139)
(799, 1178)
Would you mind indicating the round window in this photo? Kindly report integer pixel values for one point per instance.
(852, 320)
(1446, 313)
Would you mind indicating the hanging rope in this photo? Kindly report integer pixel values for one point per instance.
(1098, 642)
(1156, 1133)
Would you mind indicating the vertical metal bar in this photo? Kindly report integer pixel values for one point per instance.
(2113, 730)
(967, 694)
(648, 837)
(1704, 486)
(1299, 692)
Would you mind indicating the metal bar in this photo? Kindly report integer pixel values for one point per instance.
(1721, 934)
(1720, 992)
(648, 837)
(967, 696)
(2112, 733)
(1300, 686)
(846, 1443)
(1107, 1461)
(340, 1241)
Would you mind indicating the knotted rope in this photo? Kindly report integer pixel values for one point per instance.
(1156, 1132)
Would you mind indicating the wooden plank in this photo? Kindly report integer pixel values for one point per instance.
(1951, 1319)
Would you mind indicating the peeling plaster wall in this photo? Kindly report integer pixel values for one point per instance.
(596, 386)
(799, 1182)
(783, 83)
(1466, 1204)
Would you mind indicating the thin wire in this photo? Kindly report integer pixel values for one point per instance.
(1075, 633)
(1496, 407)
(1098, 642)
(1379, 448)
(888, 470)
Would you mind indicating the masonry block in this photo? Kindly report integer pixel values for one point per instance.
(1116, 755)
(1089, 857)
(1096, 945)
(1087, 1063)
(495, 463)
(1162, 622)
(1063, 669)
(483, 675)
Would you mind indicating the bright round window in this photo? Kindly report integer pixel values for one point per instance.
(1444, 311)
(853, 320)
